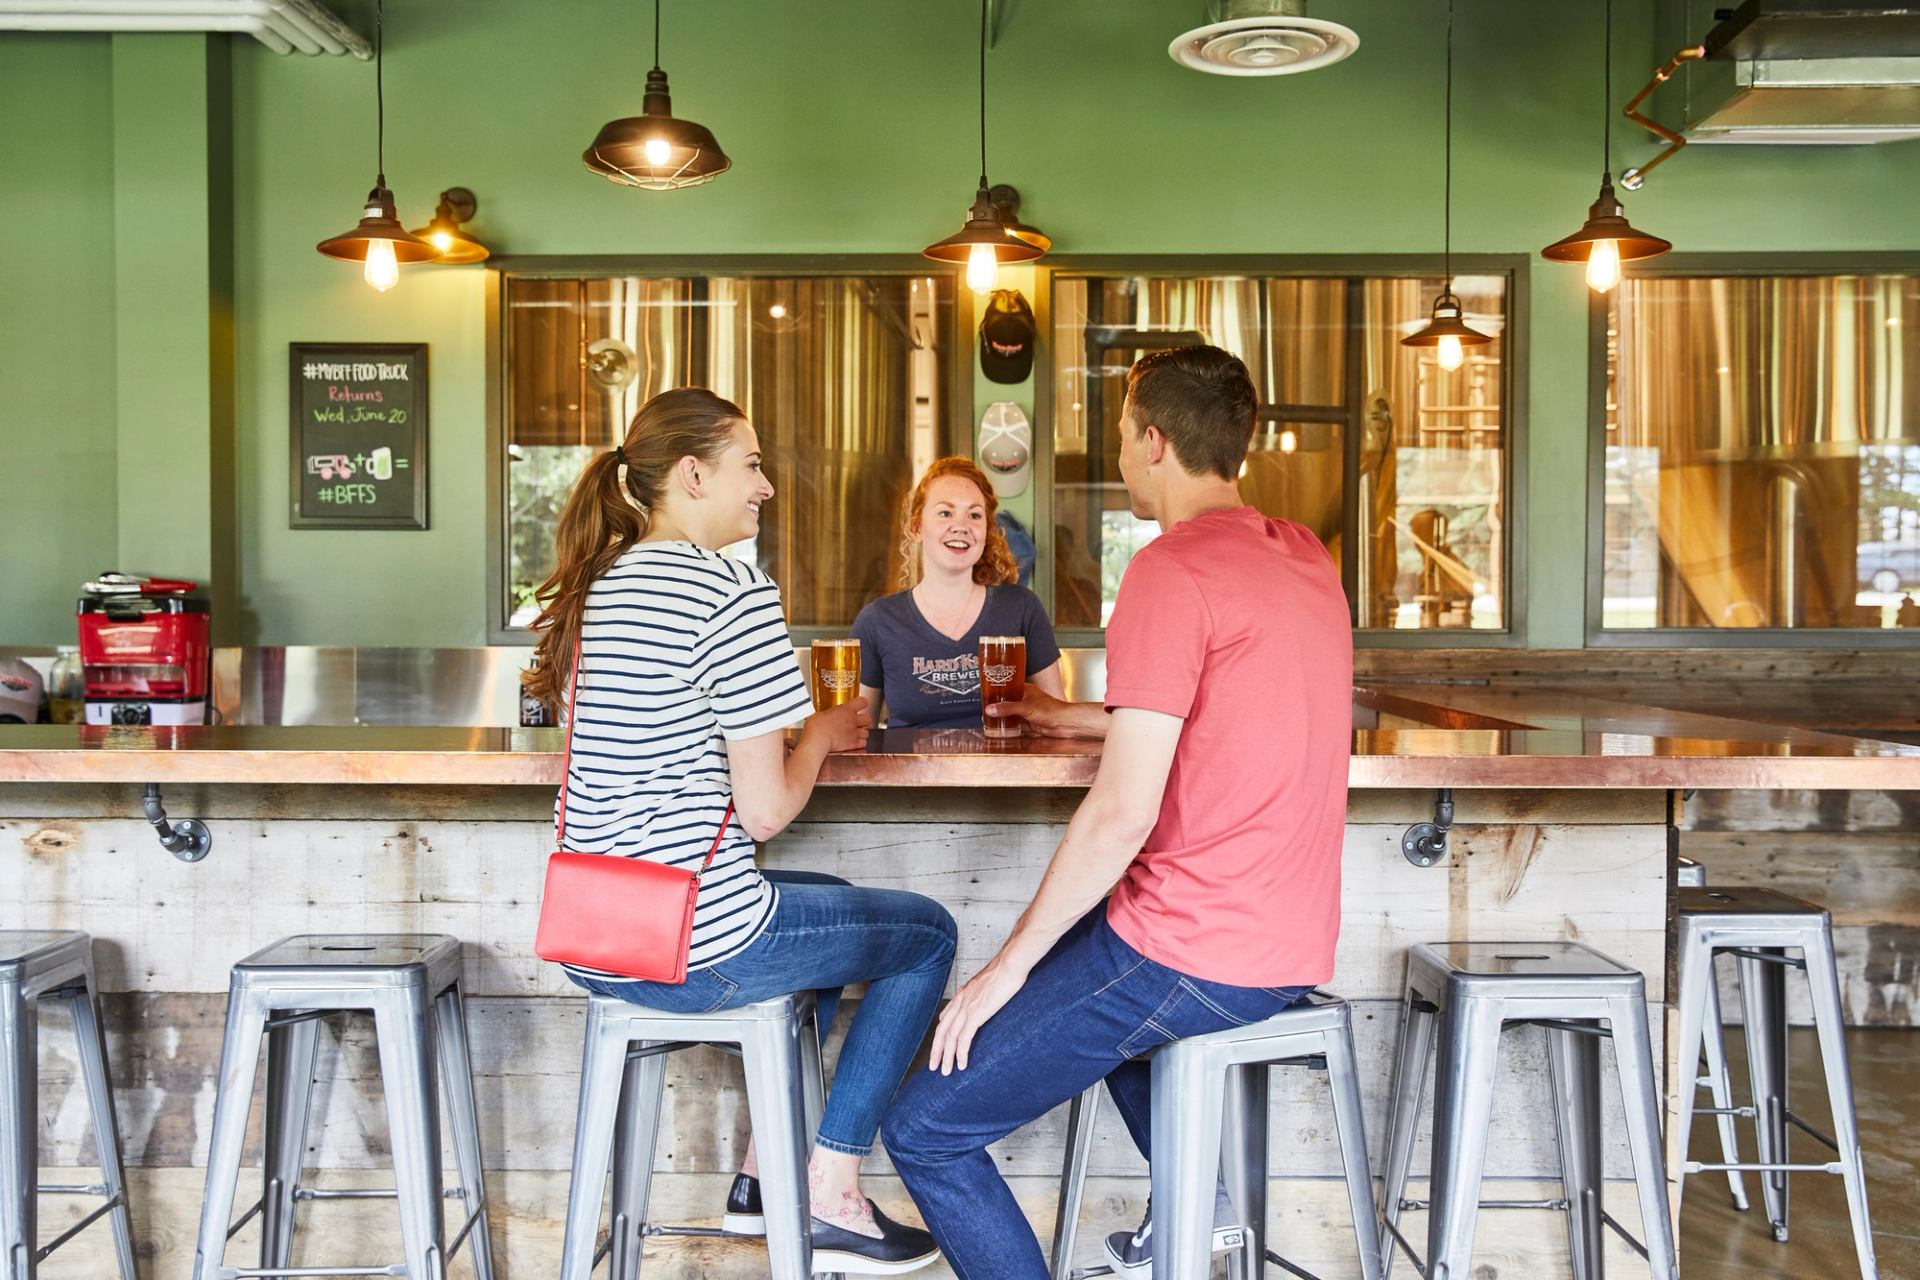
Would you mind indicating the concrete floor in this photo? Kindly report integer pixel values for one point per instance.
(1718, 1243)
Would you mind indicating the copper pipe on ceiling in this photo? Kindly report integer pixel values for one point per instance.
(1634, 178)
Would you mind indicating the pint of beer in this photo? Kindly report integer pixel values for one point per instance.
(1003, 678)
(836, 672)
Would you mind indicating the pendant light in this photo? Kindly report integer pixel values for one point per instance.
(445, 233)
(986, 240)
(379, 240)
(653, 150)
(1607, 239)
(1446, 329)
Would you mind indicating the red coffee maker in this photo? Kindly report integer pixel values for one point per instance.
(145, 650)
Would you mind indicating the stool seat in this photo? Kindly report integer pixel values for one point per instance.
(1743, 900)
(354, 960)
(1526, 970)
(38, 961)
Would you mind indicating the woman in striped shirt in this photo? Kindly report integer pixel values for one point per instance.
(687, 680)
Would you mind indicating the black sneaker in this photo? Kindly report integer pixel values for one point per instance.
(743, 1216)
(1132, 1255)
(898, 1250)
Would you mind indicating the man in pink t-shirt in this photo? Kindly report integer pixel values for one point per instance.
(1215, 822)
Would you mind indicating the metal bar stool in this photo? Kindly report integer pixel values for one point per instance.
(1759, 927)
(623, 1072)
(55, 965)
(411, 984)
(1476, 990)
(1689, 874)
(1210, 1097)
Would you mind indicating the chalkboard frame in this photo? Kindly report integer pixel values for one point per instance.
(298, 352)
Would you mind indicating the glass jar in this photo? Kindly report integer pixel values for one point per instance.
(66, 688)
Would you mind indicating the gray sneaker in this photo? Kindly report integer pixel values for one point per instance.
(1132, 1255)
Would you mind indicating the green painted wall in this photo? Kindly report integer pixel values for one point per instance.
(58, 498)
(851, 126)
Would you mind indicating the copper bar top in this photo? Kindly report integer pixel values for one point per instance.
(1482, 738)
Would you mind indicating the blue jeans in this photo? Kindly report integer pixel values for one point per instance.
(824, 934)
(1085, 1014)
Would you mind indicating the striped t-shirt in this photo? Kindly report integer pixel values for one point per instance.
(681, 649)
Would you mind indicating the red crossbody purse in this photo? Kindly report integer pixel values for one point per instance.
(620, 915)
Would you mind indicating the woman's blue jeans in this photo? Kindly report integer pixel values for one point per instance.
(824, 934)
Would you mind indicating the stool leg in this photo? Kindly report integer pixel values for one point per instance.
(1412, 1061)
(1073, 1178)
(777, 1108)
(1828, 1021)
(1189, 1102)
(1573, 1067)
(402, 1031)
(635, 1131)
(233, 1097)
(1763, 998)
(814, 1088)
(291, 1052)
(1633, 1059)
(1343, 1080)
(19, 1131)
(92, 1041)
(1720, 1088)
(1695, 978)
(1243, 1157)
(463, 1115)
(602, 1066)
(1462, 1109)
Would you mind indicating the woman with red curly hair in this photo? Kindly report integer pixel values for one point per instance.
(920, 647)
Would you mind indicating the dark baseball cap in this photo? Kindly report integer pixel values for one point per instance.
(1006, 337)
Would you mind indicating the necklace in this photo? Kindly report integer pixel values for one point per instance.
(947, 624)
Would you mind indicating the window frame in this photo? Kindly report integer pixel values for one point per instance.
(1512, 267)
(956, 438)
(1599, 636)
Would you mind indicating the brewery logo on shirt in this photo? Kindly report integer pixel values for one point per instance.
(955, 676)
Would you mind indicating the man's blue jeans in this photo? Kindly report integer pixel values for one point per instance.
(1086, 1012)
(824, 934)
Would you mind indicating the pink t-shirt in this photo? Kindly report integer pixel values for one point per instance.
(1237, 624)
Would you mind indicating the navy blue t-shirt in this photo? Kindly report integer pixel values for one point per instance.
(931, 681)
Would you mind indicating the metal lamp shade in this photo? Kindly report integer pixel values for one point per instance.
(1606, 221)
(619, 151)
(459, 248)
(1446, 322)
(379, 222)
(983, 226)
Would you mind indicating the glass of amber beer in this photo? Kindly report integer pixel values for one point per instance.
(1003, 678)
(836, 672)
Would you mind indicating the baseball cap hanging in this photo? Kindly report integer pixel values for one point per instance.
(1006, 337)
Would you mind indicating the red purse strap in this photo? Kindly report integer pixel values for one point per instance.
(566, 768)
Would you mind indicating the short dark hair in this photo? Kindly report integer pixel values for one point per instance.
(1203, 401)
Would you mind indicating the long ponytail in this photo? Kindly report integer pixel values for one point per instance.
(606, 514)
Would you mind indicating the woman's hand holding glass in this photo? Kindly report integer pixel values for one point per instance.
(841, 728)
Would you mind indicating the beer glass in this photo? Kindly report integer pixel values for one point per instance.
(1003, 678)
(836, 672)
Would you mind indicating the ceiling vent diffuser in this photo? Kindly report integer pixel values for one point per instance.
(1262, 38)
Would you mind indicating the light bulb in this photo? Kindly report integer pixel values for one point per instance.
(442, 240)
(1603, 266)
(1289, 441)
(658, 151)
(982, 267)
(778, 311)
(383, 269)
(1449, 353)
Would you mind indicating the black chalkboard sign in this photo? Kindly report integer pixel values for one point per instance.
(358, 454)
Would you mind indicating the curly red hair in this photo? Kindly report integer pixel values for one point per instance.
(996, 565)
